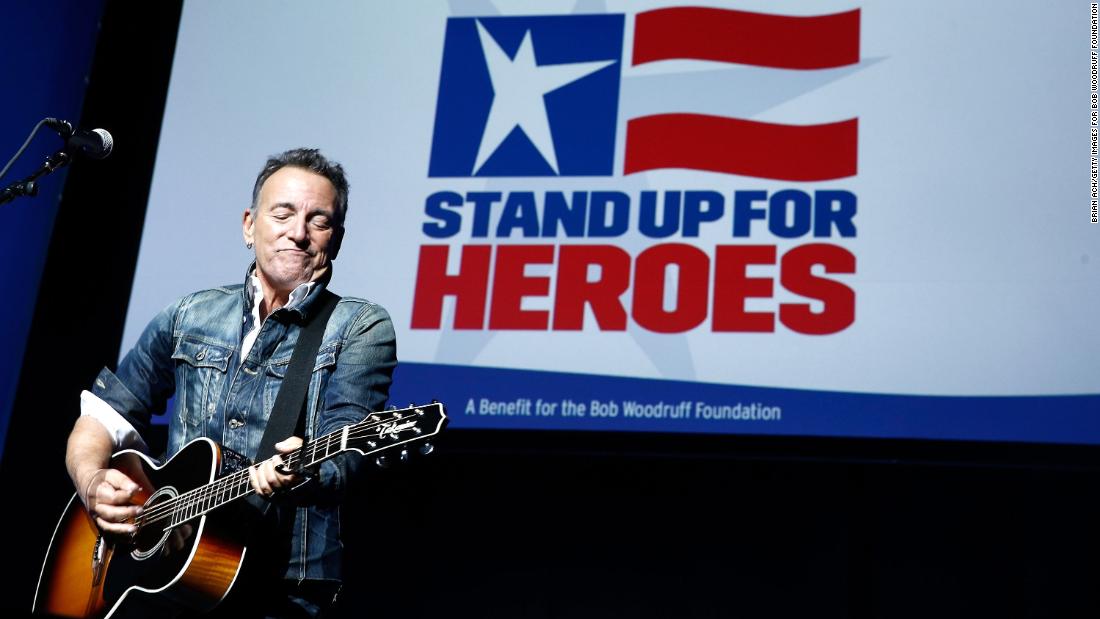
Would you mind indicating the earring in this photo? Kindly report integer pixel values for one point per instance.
(248, 245)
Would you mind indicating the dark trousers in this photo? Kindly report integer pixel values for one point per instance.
(282, 599)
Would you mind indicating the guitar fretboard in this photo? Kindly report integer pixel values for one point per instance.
(377, 432)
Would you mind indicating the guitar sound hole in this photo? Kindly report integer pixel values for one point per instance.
(153, 534)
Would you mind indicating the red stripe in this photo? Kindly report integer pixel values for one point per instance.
(780, 41)
(745, 147)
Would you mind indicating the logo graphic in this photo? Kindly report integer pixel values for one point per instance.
(539, 96)
(528, 96)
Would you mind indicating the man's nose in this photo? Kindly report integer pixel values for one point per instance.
(298, 231)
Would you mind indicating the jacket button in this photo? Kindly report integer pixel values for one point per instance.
(235, 423)
(201, 355)
(210, 407)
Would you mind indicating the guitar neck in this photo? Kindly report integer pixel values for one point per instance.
(378, 432)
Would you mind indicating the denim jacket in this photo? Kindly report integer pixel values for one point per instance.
(191, 350)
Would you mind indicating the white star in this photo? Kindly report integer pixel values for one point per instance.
(518, 89)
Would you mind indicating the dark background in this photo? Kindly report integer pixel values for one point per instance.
(513, 524)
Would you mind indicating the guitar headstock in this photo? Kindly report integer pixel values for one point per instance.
(390, 429)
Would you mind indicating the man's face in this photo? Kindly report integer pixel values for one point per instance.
(294, 228)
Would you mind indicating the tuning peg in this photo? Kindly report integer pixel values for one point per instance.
(382, 462)
(404, 455)
(426, 449)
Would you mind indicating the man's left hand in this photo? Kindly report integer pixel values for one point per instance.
(265, 476)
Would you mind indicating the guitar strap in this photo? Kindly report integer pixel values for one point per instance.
(286, 413)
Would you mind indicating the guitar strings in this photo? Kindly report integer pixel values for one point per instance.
(221, 491)
(199, 501)
(239, 480)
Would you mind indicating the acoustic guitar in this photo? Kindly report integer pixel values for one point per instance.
(187, 550)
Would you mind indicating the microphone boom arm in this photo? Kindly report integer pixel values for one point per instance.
(29, 185)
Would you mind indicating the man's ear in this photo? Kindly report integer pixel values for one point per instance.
(248, 227)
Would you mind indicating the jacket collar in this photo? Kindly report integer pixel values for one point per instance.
(302, 299)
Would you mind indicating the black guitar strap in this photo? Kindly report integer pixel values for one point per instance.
(291, 401)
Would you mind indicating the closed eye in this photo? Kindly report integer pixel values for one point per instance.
(282, 211)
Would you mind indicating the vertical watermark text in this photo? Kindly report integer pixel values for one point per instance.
(1094, 126)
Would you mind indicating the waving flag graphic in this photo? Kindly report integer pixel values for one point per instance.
(733, 145)
(537, 96)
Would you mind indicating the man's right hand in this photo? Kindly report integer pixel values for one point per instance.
(107, 494)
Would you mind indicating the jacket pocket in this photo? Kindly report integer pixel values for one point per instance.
(322, 368)
(201, 368)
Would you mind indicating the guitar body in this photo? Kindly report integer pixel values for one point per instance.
(191, 565)
(188, 548)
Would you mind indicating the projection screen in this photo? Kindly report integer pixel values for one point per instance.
(811, 218)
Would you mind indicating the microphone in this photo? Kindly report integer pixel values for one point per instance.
(95, 144)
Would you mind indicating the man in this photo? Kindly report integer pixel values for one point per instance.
(223, 354)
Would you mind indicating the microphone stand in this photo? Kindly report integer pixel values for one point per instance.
(29, 186)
